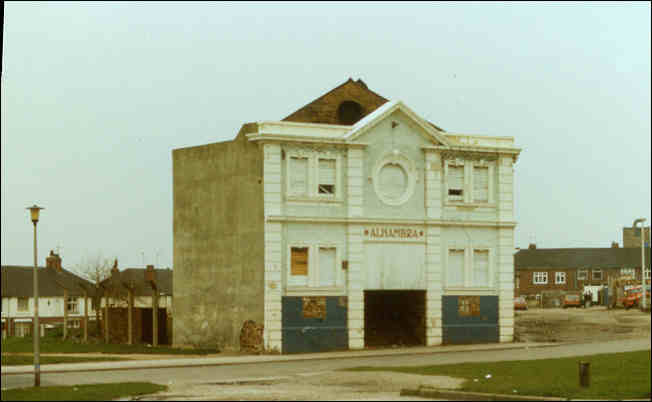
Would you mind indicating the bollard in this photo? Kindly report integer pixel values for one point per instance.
(585, 374)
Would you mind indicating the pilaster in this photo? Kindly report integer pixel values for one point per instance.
(272, 200)
(435, 288)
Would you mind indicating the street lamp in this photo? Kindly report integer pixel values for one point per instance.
(34, 212)
(644, 285)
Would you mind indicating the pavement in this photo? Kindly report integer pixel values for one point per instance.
(158, 361)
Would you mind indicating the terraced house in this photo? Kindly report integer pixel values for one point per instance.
(352, 222)
(63, 298)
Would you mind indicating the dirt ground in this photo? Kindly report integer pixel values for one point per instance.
(594, 324)
(333, 385)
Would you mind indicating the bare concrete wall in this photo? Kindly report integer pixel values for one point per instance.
(218, 239)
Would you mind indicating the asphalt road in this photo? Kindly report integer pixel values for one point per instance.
(214, 374)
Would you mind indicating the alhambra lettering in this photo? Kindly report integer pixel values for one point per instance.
(394, 233)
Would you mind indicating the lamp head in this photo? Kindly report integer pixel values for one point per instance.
(34, 212)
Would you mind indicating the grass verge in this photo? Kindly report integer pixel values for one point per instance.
(51, 344)
(92, 392)
(613, 376)
(26, 360)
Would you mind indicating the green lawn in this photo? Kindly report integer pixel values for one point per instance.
(23, 360)
(93, 392)
(51, 344)
(613, 376)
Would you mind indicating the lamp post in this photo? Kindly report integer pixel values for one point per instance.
(34, 212)
(643, 270)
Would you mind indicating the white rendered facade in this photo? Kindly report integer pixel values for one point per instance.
(389, 203)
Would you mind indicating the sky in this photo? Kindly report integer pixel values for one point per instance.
(95, 96)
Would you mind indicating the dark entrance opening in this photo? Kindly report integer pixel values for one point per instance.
(148, 326)
(394, 317)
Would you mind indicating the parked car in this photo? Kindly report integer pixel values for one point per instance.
(520, 303)
(633, 297)
(572, 300)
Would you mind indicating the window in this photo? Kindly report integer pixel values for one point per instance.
(560, 278)
(327, 266)
(72, 305)
(298, 174)
(313, 266)
(597, 274)
(456, 182)
(629, 272)
(647, 274)
(481, 184)
(582, 275)
(455, 272)
(74, 323)
(326, 183)
(481, 268)
(540, 278)
(23, 304)
(299, 261)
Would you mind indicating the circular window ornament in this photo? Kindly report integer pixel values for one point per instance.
(394, 178)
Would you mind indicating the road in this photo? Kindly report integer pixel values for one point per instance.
(193, 377)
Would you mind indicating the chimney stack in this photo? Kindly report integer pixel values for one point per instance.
(53, 261)
(532, 246)
(114, 270)
(614, 244)
(149, 274)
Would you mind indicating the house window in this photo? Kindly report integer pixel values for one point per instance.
(298, 174)
(23, 304)
(456, 182)
(597, 274)
(74, 323)
(582, 275)
(629, 272)
(540, 278)
(647, 274)
(560, 278)
(327, 174)
(327, 266)
(72, 305)
(481, 184)
(481, 268)
(455, 272)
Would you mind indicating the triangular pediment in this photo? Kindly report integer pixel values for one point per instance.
(425, 128)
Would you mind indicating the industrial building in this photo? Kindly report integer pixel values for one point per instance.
(353, 222)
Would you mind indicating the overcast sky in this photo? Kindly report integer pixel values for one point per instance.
(95, 96)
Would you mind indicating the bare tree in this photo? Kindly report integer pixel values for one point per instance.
(95, 268)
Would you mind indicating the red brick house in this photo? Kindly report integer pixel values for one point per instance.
(538, 271)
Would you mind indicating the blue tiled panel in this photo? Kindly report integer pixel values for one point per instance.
(474, 329)
(309, 335)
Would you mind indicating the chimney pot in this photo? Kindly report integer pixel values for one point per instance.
(614, 244)
(532, 246)
(149, 274)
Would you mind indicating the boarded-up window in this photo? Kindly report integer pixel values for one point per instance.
(481, 268)
(327, 174)
(314, 307)
(327, 266)
(299, 261)
(468, 306)
(455, 272)
(456, 183)
(298, 175)
(480, 184)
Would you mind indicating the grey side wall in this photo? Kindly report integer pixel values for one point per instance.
(218, 241)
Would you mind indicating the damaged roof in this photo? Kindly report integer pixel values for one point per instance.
(136, 277)
(345, 105)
